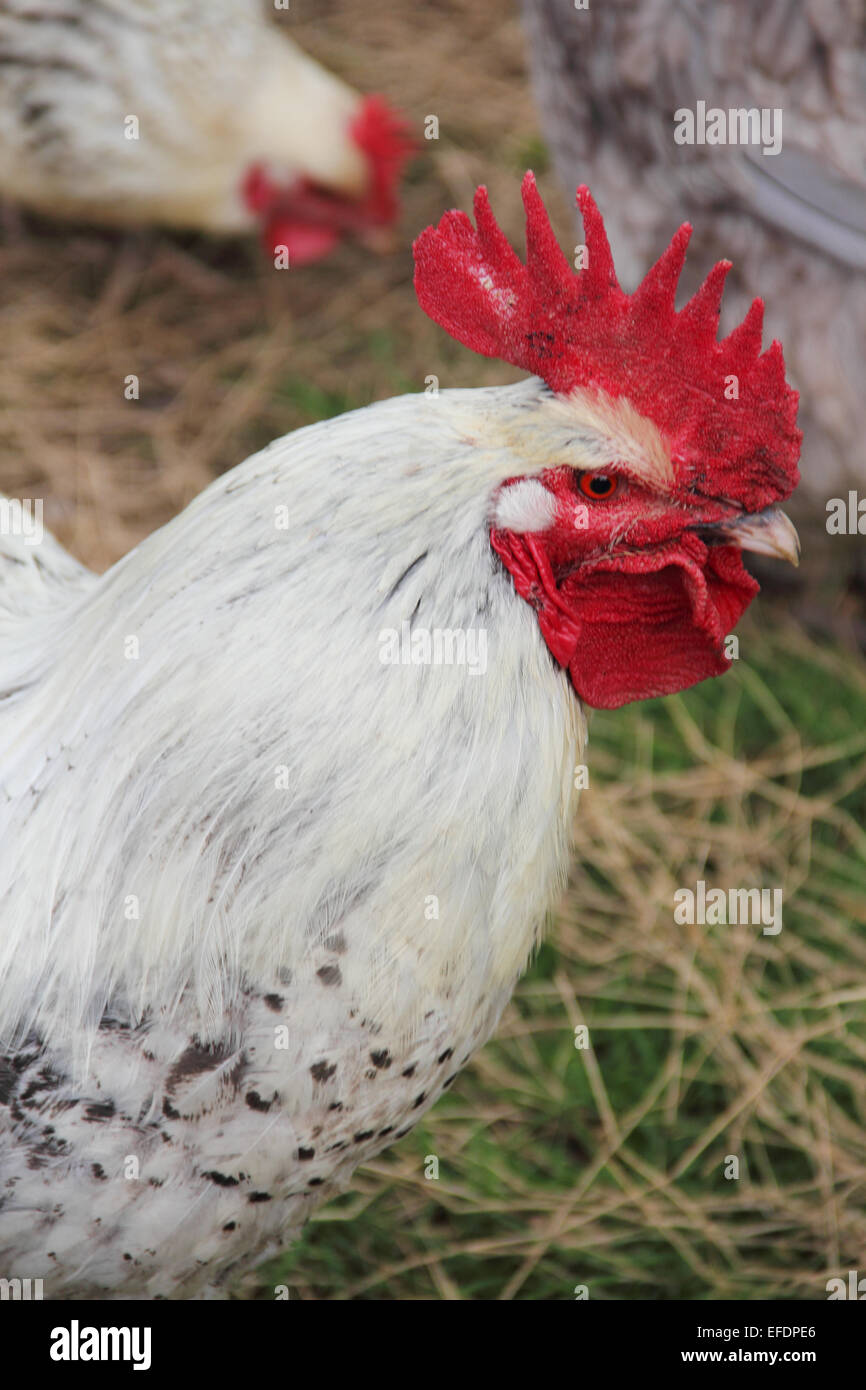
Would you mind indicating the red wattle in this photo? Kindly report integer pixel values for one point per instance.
(304, 241)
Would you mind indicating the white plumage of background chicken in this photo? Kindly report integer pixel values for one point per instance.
(201, 116)
(263, 891)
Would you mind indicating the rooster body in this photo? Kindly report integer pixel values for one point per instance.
(262, 906)
(266, 885)
(167, 111)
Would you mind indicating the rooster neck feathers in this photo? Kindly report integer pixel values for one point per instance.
(158, 777)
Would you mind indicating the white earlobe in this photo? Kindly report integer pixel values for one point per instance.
(524, 506)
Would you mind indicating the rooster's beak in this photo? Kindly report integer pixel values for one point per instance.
(769, 532)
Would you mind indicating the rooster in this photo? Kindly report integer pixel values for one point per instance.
(617, 83)
(269, 870)
(193, 116)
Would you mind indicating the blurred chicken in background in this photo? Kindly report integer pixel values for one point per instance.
(611, 79)
(201, 116)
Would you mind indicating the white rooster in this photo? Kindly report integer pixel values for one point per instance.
(273, 849)
(192, 115)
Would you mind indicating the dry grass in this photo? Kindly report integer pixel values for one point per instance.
(557, 1166)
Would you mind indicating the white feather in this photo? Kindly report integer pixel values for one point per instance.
(157, 870)
(525, 506)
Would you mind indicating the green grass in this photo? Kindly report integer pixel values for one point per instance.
(605, 1168)
(313, 402)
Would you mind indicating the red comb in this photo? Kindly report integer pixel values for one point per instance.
(580, 329)
(385, 140)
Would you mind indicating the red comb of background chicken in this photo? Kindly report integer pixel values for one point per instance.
(724, 408)
(385, 140)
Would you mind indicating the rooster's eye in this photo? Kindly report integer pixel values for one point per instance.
(599, 486)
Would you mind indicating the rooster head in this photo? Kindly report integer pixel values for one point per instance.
(658, 454)
(311, 210)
